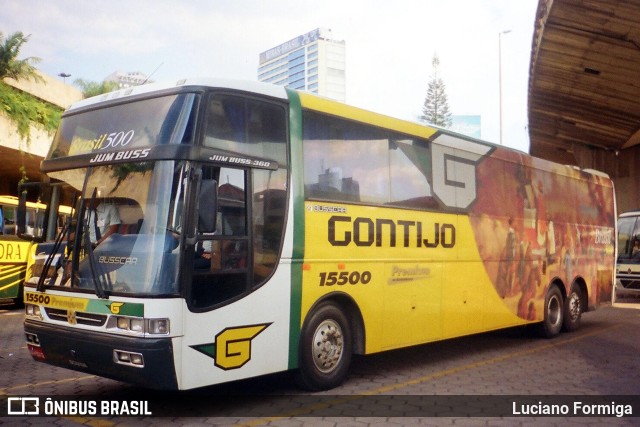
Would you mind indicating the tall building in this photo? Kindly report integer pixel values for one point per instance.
(313, 62)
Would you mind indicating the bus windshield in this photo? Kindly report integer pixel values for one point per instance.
(149, 122)
(125, 236)
(129, 162)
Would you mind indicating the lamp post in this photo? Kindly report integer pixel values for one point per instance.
(64, 76)
(500, 76)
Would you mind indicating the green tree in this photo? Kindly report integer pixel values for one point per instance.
(436, 107)
(23, 109)
(10, 65)
(90, 89)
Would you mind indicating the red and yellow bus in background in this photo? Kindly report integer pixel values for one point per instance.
(265, 229)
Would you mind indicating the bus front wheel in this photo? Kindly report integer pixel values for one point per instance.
(553, 312)
(325, 349)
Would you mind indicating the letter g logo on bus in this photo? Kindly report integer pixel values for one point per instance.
(454, 170)
(232, 347)
(114, 307)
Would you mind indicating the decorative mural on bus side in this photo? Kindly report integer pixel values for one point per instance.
(535, 221)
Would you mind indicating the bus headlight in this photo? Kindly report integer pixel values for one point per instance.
(122, 323)
(136, 325)
(128, 358)
(140, 326)
(158, 326)
(130, 324)
(32, 310)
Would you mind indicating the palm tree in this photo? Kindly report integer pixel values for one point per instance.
(12, 67)
(90, 89)
(21, 108)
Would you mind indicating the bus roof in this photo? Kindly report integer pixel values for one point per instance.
(241, 85)
(308, 101)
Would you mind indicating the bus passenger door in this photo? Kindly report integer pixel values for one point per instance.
(221, 264)
(220, 271)
(232, 314)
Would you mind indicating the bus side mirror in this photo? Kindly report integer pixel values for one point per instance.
(207, 206)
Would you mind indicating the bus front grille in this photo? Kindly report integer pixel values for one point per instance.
(78, 317)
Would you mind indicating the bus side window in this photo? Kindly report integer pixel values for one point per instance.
(8, 222)
(252, 127)
(626, 237)
(225, 126)
(635, 245)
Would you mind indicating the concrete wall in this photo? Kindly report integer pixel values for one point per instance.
(52, 90)
(622, 166)
(14, 151)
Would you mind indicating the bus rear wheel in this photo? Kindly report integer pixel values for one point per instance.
(325, 349)
(553, 313)
(572, 310)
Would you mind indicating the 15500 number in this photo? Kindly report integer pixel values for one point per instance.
(37, 298)
(344, 277)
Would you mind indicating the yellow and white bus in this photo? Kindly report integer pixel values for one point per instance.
(264, 229)
(14, 251)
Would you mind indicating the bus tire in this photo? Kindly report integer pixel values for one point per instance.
(325, 349)
(572, 310)
(553, 313)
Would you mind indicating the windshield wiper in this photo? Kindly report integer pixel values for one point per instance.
(49, 260)
(97, 281)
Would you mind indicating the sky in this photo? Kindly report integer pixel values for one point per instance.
(389, 46)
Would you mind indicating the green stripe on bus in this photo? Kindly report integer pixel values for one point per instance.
(10, 281)
(295, 302)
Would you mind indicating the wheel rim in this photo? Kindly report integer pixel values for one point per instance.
(554, 311)
(574, 306)
(327, 346)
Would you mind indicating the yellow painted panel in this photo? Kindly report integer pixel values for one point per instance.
(14, 251)
(329, 106)
(410, 286)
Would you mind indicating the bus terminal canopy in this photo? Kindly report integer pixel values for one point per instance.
(584, 91)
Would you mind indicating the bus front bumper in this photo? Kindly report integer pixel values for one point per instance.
(147, 362)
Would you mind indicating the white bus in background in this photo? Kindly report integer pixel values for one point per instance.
(628, 264)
